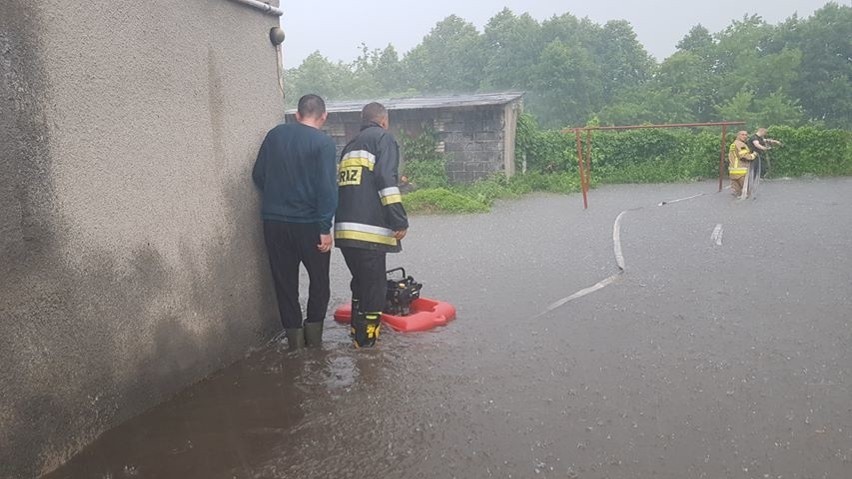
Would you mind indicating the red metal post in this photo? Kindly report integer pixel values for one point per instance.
(588, 158)
(584, 161)
(580, 168)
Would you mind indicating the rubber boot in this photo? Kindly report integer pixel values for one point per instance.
(358, 329)
(354, 312)
(295, 338)
(365, 329)
(374, 325)
(313, 334)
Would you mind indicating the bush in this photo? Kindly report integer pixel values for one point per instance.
(810, 150)
(424, 166)
(437, 200)
(658, 155)
(633, 156)
(546, 151)
(655, 156)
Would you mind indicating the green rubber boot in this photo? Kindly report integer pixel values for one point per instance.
(295, 338)
(313, 334)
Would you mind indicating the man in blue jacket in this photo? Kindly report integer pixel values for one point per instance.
(296, 171)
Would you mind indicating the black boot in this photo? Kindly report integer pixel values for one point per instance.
(354, 311)
(358, 329)
(365, 329)
(374, 324)
(313, 334)
(295, 338)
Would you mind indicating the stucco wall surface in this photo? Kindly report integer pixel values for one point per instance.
(131, 255)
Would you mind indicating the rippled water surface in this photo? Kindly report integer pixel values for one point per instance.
(702, 360)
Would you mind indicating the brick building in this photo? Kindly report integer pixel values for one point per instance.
(477, 132)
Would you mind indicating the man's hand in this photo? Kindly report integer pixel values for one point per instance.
(399, 234)
(324, 245)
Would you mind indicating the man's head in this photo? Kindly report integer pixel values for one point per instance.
(311, 111)
(761, 132)
(742, 135)
(375, 113)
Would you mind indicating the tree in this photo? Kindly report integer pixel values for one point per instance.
(378, 72)
(693, 82)
(824, 86)
(511, 46)
(316, 75)
(567, 85)
(449, 59)
(739, 107)
(697, 41)
(623, 60)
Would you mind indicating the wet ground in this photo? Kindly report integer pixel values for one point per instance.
(702, 360)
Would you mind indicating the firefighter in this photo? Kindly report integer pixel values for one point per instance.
(370, 220)
(739, 158)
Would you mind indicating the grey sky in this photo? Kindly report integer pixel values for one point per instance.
(336, 28)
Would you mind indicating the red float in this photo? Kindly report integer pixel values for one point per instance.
(425, 314)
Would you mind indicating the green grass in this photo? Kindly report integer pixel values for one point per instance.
(441, 200)
(479, 196)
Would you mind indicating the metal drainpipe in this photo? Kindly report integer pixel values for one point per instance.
(276, 36)
(262, 6)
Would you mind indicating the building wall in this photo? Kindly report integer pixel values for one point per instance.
(478, 141)
(131, 255)
(472, 138)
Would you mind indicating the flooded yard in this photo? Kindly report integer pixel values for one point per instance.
(724, 350)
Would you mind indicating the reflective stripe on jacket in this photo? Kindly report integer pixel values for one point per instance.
(738, 151)
(369, 208)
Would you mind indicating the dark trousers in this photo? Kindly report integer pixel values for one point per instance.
(369, 279)
(761, 161)
(288, 245)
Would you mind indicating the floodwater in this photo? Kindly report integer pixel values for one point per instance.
(717, 355)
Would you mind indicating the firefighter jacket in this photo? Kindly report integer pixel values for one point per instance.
(738, 157)
(369, 207)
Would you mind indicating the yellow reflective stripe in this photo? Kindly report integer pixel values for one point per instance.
(350, 226)
(356, 162)
(389, 200)
(368, 237)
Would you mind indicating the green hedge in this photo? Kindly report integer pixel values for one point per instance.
(633, 156)
(674, 155)
(810, 151)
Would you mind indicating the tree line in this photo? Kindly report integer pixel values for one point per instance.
(575, 71)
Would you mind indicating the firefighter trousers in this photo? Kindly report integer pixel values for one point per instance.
(369, 279)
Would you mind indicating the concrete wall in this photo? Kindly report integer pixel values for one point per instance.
(131, 256)
(479, 141)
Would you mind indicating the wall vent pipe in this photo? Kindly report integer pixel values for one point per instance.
(265, 7)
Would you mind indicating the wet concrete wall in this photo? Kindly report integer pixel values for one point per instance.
(131, 256)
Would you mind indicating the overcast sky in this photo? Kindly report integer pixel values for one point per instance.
(336, 28)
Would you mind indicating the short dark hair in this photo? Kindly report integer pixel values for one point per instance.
(373, 112)
(311, 106)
